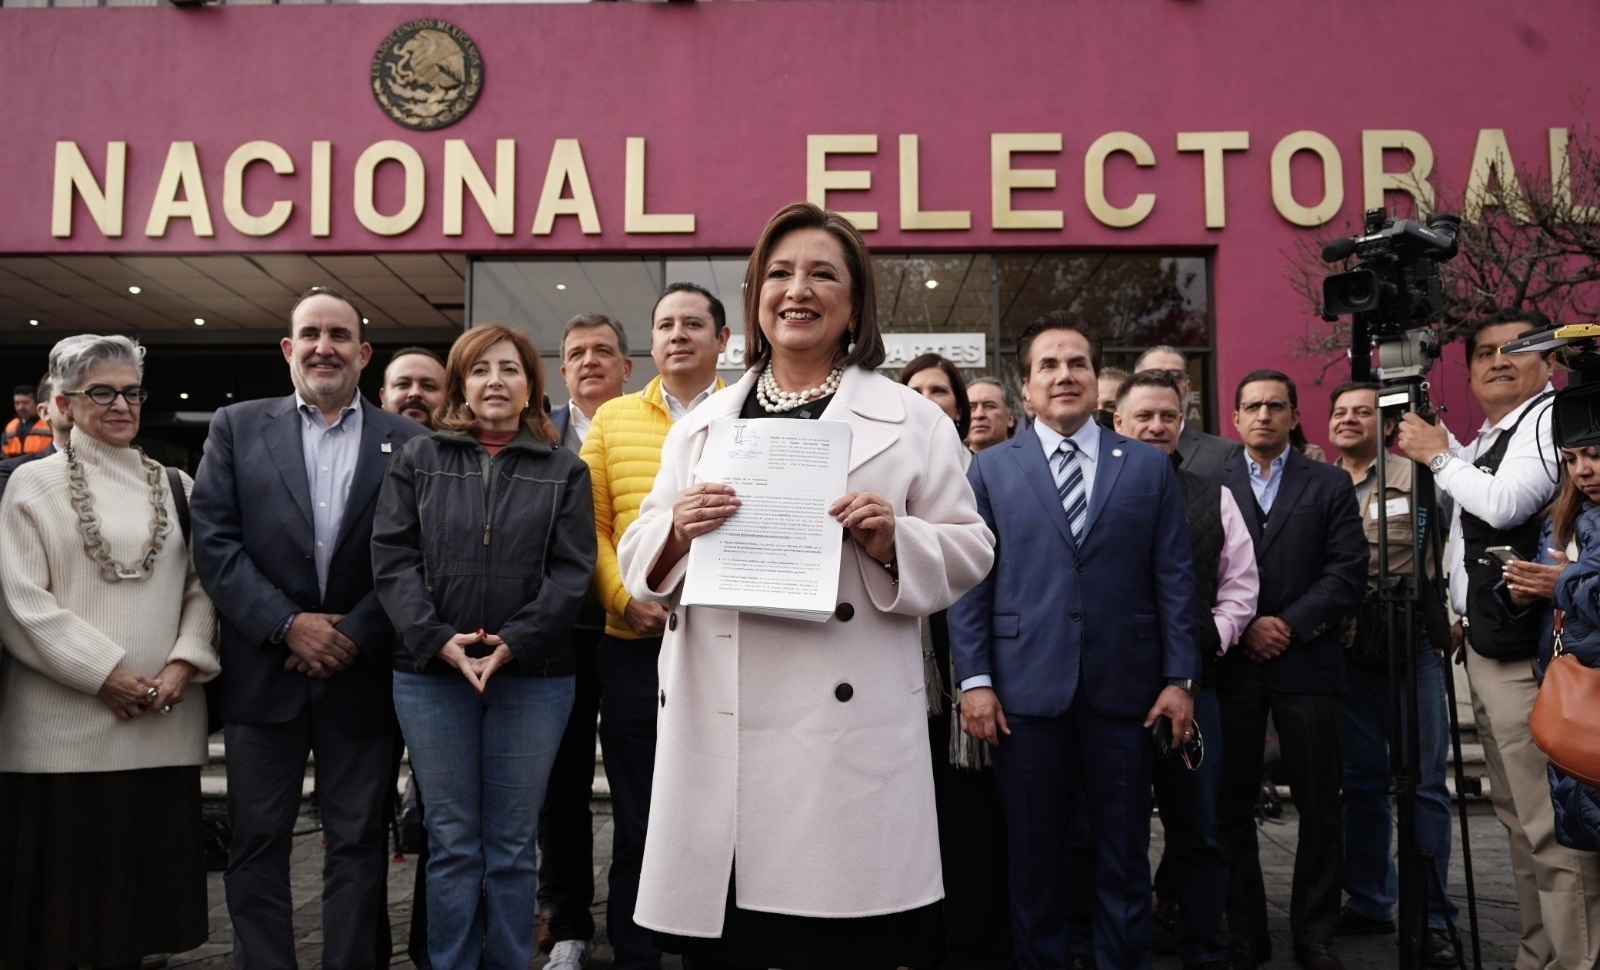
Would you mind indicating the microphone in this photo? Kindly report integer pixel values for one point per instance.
(1338, 249)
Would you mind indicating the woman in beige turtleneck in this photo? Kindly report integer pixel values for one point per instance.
(102, 726)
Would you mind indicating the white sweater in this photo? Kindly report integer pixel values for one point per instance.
(65, 628)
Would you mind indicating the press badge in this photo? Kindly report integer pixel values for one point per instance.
(1392, 508)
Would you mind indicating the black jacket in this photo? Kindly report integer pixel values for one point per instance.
(464, 542)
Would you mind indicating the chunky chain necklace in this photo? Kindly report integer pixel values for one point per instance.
(89, 521)
(776, 400)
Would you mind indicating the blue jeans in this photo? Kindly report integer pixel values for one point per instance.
(1369, 865)
(482, 761)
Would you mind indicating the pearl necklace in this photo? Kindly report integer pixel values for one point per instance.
(776, 400)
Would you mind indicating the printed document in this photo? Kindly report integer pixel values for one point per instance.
(779, 554)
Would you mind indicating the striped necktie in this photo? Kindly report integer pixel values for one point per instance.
(1069, 485)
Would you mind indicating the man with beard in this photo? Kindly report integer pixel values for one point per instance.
(413, 384)
(282, 510)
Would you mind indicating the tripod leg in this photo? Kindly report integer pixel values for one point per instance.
(1461, 809)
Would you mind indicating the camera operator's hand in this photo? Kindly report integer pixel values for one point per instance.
(1458, 642)
(1530, 582)
(1420, 440)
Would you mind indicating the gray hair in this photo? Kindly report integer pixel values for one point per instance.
(1138, 365)
(72, 358)
(1005, 391)
(584, 321)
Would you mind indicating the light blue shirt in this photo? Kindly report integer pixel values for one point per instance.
(331, 453)
(1266, 485)
(1087, 438)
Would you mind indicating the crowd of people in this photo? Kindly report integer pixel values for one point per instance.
(1049, 619)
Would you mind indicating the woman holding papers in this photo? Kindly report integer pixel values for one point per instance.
(792, 821)
(482, 546)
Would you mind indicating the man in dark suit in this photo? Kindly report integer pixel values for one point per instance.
(282, 510)
(595, 366)
(1312, 557)
(1080, 638)
(1198, 452)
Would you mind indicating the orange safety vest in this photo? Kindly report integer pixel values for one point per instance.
(18, 442)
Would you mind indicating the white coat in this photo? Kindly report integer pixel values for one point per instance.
(801, 747)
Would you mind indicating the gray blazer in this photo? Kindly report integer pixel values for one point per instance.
(1205, 454)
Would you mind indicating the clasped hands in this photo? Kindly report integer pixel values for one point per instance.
(477, 670)
(130, 695)
(316, 648)
(700, 508)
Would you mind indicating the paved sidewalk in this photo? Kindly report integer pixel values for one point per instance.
(1496, 902)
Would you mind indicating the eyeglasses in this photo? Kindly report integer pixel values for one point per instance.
(105, 395)
(1194, 752)
(1271, 407)
(1175, 375)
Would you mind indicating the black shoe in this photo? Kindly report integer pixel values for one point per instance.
(1352, 923)
(1439, 951)
(1316, 956)
(1081, 961)
(1247, 954)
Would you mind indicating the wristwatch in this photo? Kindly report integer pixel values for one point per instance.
(1182, 683)
(1437, 463)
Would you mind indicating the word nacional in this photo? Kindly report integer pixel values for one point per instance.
(1018, 163)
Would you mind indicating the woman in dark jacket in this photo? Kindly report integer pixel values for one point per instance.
(1566, 574)
(482, 546)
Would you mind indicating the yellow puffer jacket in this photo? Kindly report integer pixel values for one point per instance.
(623, 451)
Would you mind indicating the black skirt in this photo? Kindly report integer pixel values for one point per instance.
(752, 939)
(100, 868)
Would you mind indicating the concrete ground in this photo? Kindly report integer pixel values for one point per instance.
(1497, 911)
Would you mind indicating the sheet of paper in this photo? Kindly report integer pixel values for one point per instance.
(779, 554)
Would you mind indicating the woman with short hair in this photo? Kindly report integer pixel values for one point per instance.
(102, 727)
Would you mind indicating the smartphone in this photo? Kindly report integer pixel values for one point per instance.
(1505, 554)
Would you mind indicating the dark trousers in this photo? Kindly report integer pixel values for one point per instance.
(1039, 767)
(266, 766)
(972, 853)
(628, 703)
(566, 825)
(1308, 731)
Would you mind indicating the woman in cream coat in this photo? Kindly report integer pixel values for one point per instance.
(791, 754)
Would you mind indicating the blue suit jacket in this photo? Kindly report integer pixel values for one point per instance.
(1112, 615)
(561, 417)
(253, 544)
(1312, 557)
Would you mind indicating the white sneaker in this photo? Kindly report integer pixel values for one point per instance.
(568, 955)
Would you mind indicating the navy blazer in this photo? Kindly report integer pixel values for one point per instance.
(1115, 611)
(253, 545)
(1312, 557)
(561, 417)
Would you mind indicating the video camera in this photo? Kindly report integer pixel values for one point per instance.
(1396, 280)
(1575, 413)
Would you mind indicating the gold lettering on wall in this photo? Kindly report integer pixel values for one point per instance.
(820, 181)
(1003, 180)
(74, 177)
(635, 219)
(566, 168)
(1492, 166)
(366, 206)
(181, 173)
(1413, 182)
(1561, 181)
(233, 188)
(462, 175)
(1094, 180)
(1211, 145)
(321, 186)
(912, 215)
(1332, 179)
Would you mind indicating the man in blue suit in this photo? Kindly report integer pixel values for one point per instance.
(282, 510)
(1078, 641)
(1312, 558)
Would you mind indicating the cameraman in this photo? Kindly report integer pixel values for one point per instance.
(1498, 485)
(1370, 878)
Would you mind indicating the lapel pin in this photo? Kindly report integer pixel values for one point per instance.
(386, 447)
(1116, 452)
